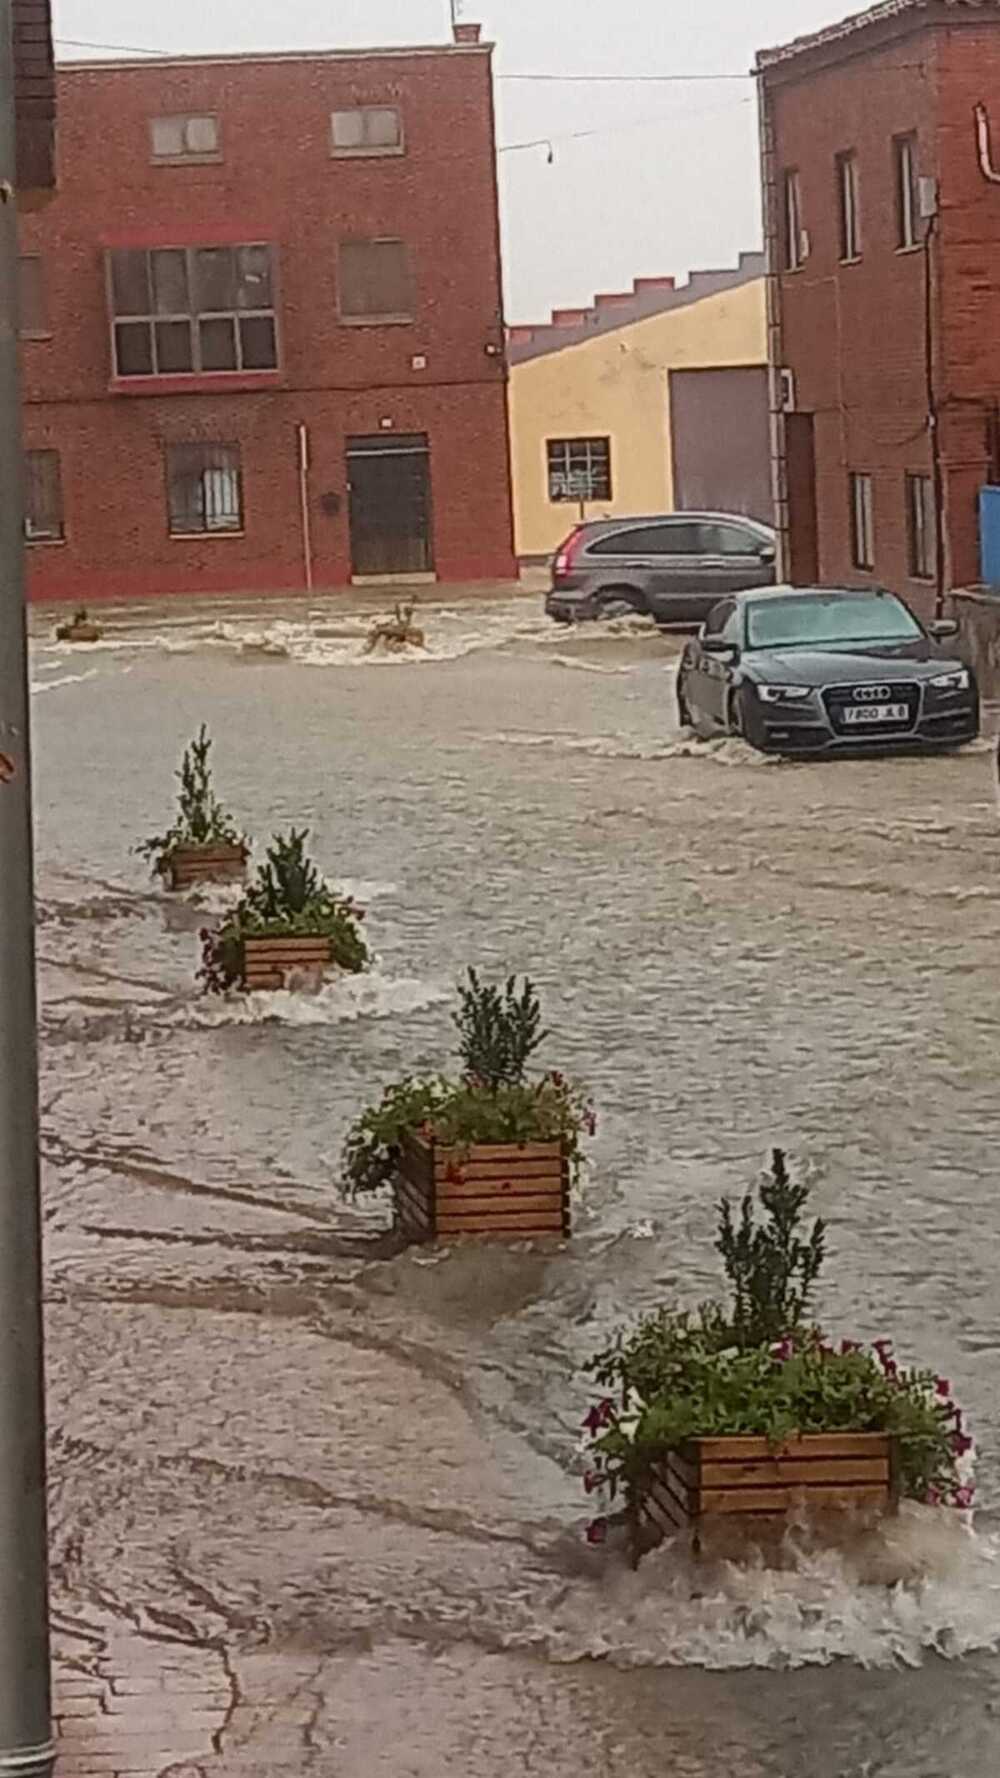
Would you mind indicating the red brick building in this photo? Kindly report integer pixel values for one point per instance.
(263, 329)
(883, 233)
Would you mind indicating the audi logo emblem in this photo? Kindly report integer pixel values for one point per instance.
(872, 694)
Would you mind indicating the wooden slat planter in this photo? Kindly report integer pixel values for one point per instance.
(206, 864)
(269, 962)
(745, 1484)
(486, 1189)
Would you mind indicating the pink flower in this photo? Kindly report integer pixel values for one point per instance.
(883, 1348)
(848, 1346)
(963, 1497)
(598, 1416)
(932, 1497)
(783, 1351)
(592, 1481)
(556, 1078)
(942, 1387)
(597, 1531)
(961, 1443)
(891, 1369)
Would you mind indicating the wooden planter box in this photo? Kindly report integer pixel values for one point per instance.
(87, 632)
(268, 962)
(744, 1485)
(486, 1189)
(205, 864)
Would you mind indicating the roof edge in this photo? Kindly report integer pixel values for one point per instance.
(884, 13)
(236, 58)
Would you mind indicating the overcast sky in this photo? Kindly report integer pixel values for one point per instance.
(668, 181)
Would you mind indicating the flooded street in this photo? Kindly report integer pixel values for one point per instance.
(333, 1486)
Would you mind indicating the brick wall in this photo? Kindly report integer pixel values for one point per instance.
(442, 374)
(854, 334)
(34, 91)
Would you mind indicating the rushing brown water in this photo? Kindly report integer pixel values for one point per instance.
(344, 1478)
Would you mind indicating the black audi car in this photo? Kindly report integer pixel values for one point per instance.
(805, 670)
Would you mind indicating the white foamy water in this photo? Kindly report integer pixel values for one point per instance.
(726, 750)
(344, 1000)
(66, 679)
(927, 1586)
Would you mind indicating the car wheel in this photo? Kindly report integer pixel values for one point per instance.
(620, 601)
(743, 720)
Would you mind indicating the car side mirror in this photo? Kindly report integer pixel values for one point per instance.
(718, 646)
(942, 628)
(767, 552)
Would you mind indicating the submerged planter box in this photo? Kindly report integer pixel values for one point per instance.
(485, 1189)
(746, 1484)
(276, 962)
(205, 864)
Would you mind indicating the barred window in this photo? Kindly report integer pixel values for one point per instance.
(366, 130)
(182, 310)
(579, 468)
(204, 489)
(43, 500)
(375, 281)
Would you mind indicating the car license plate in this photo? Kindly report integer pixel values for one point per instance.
(870, 713)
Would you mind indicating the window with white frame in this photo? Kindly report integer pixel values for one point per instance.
(794, 241)
(182, 310)
(862, 521)
(921, 527)
(848, 191)
(204, 489)
(907, 191)
(366, 130)
(185, 137)
(579, 468)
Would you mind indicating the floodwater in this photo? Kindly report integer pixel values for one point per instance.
(345, 1477)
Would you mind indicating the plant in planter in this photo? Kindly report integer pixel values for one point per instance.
(491, 1152)
(288, 928)
(746, 1408)
(81, 628)
(204, 844)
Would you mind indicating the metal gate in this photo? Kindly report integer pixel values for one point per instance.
(389, 487)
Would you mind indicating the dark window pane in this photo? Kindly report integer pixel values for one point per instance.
(173, 347)
(204, 489)
(218, 344)
(170, 282)
(253, 277)
(133, 349)
(130, 283)
(215, 283)
(374, 280)
(257, 341)
(43, 507)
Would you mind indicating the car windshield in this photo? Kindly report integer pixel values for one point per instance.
(815, 622)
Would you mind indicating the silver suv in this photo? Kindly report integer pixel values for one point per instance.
(673, 568)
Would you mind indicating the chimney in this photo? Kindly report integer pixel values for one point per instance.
(467, 32)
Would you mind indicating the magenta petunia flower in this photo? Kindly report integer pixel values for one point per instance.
(592, 1480)
(597, 1531)
(961, 1443)
(932, 1497)
(849, 1346)
(883, 1348)
(943, 1388)
(963, 1497)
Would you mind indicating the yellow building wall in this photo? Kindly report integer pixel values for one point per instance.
(615, 385)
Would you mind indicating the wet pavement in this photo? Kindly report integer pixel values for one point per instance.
(318, 1498)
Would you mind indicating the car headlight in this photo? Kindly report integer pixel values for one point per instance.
(782, 694)
(957, 681)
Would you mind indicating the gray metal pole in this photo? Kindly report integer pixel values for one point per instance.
(26, 1749)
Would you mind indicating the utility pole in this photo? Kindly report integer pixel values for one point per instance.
(26, 1749)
